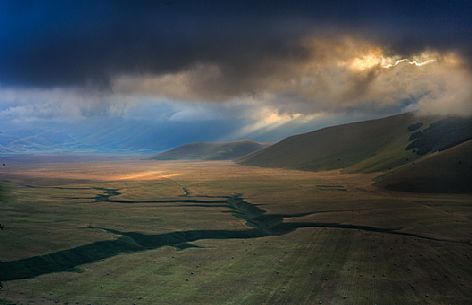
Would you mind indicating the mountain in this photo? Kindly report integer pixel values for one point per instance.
(211, 151)
(112, 135)
(449, 170)
(370, 146)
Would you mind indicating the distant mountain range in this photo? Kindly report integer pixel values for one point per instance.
(211, 151)
(417, 153)
(110, 136)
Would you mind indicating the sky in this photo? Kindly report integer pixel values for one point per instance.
(154, 74)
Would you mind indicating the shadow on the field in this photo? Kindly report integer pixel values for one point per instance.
(259, 224)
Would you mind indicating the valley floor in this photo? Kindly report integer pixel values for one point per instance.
(161, 232)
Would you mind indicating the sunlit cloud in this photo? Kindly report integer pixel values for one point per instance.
(335, 75)
(377, 59)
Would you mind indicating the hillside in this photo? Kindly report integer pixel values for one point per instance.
(445, 171)
(211, 151)
(376, 145)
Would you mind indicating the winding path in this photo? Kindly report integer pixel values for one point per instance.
(258, 224)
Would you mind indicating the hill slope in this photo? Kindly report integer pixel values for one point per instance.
(376, 145)
(445, 171)
(211, 151)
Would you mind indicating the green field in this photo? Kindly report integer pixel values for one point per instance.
(155, 232)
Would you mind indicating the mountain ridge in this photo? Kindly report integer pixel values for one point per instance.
(211, 150)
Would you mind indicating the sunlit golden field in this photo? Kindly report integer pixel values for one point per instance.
(161, 232)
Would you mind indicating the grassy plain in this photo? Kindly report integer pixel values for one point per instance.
(164, 232)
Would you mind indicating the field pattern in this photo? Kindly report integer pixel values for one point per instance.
(144, 232)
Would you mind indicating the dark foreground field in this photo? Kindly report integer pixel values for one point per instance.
(149, 232)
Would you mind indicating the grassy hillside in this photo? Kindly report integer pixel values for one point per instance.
(376, 145)
(211, 151)
(445, 171)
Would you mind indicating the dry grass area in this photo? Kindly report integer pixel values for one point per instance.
(332, 238)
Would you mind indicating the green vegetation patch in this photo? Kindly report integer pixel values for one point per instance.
(441, 135)
(447, 171)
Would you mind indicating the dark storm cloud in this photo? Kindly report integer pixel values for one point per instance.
(87, 43)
